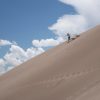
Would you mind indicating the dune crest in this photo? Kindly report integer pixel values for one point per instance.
(70, 71)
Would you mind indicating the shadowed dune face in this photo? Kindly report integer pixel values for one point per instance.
(70, 71)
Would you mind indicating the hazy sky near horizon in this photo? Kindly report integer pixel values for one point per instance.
(30, 27)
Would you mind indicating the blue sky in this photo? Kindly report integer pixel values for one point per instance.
(25, 20)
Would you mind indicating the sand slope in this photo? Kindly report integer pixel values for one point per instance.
(66, 72)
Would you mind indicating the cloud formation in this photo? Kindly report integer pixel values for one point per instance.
(69, 23)
(47, 42)
(4, 42)
(88, 8)
(16, 55)
(87, 17)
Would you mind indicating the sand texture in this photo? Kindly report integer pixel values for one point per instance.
(70, 71)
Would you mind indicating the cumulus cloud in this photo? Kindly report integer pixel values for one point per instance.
(47, 42)
(4, 42)
(1, 62)
(16, 56)
(88, 8)
(87, 17)
(69, 23)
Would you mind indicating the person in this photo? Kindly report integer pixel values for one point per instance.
(69, 37)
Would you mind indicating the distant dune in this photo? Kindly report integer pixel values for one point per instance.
(70, 71)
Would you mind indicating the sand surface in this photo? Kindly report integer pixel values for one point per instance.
(70, 71)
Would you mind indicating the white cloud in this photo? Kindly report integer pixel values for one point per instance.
(69, 23)
(47, 42)
(90, 9)
(32, 52)
(1, 62)
(16, 56)
(88, 16)
(4, 42)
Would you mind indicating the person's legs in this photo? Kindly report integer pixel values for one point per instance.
(68, 39)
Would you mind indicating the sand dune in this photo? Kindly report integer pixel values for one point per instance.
(70, 71)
